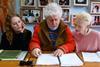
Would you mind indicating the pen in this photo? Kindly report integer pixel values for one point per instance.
(59, 60)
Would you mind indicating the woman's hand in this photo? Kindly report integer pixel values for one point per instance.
(23, 28)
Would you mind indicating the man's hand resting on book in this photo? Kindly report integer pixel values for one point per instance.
(36, 52)
(58, 52)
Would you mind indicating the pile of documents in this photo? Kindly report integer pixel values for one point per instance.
(91, 57)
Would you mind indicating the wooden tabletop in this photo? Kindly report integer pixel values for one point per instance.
(14, 63)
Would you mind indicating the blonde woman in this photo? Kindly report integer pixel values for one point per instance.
(86, 38)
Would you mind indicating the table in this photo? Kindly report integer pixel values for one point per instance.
(14, 63)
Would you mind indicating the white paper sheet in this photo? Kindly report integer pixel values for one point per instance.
(22, 55)
(1, 51)
(47, 59)
(98, 53)
(70, 59)
(90, 57)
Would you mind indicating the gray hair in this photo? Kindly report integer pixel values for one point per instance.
(84, 16)
(52, 9)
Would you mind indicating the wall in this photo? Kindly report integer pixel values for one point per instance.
(73, 10)
(6, 7)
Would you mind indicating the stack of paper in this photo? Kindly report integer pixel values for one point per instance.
(70, 59)
(91, 57)
(22, 55)
(98, 53)
(12, 55)
(47, 59)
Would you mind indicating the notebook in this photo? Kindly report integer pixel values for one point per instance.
(70, 59)
(91, 57)
(12, 55)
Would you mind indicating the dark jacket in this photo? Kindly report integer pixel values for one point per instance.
(20, 41)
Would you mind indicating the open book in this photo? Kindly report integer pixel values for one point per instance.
(12, 54)
(70, 59)
(91, 57)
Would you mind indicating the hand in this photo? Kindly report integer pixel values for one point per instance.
(21, 29)
(36, 52)
(58, 52)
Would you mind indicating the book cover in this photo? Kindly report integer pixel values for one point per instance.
(12, 55)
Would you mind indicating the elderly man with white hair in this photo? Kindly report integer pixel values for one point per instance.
(86, 38)
(52, 34)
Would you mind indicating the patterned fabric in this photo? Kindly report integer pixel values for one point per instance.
(53, 36)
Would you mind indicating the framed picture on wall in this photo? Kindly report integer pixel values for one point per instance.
(66, 15)
(30, 15)
(64, 3)
(42, 3)
(95, 20)
(43, 17)
(81, 2)
(95, 7)
(73, 17)
(27, 3)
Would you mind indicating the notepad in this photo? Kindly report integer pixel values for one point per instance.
(91, 57)
(12, 55)
(70, 59)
